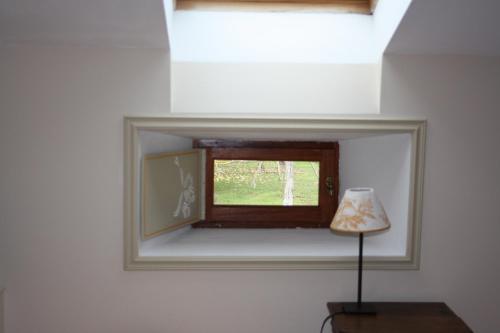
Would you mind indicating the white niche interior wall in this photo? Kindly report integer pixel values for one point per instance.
(387, 158)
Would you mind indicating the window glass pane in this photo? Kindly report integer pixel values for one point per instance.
(268, 183)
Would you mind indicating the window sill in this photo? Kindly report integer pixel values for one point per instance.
(265, 243)
(191, 248)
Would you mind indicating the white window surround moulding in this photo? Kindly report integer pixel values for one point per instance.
(2, 309)
(362, 125)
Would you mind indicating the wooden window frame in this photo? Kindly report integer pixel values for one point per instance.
(364, 7)
(255, 216)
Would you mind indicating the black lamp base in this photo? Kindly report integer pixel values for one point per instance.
(359, 309)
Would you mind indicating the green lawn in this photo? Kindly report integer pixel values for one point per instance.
(237, 183)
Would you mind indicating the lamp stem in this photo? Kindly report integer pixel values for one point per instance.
(360, 268)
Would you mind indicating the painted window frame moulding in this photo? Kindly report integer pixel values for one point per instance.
(375, 125)
(2, 309)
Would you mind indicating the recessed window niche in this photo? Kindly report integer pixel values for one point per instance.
(386, 154)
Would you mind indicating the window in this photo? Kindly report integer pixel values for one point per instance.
(397, 146)
(266, 183)
(340, 6)
(253, 184)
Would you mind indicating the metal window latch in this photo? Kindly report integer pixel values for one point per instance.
(329, 185)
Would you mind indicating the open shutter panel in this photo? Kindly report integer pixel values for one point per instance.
(170, 192)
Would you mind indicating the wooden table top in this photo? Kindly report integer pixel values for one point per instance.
(393, 317)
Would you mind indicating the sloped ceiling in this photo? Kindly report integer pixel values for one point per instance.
(469, 27)
(114, 23)
(429, 27)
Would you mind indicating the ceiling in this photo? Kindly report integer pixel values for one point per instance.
(469, 27)
(113, 23)
(429, 27)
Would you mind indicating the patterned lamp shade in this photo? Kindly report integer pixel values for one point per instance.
(360, 211)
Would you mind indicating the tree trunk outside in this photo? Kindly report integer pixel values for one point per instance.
(257, 171)
(288, 191)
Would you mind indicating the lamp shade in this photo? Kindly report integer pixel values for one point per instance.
(360, 211)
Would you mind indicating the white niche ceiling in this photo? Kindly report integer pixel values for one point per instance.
(386, 154)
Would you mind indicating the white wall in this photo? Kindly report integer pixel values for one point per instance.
(61, 192)
(283, 62)
(61, 186)
(383, 163)
(460, 247)
(275, 88)
(168, 7)
(272, 37)
(386, 19)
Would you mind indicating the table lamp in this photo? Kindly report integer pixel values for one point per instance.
(359, 212)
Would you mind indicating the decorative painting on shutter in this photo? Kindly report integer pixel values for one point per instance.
(170, 192)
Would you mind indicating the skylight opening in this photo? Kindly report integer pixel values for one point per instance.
(278, 37)
(364, 7)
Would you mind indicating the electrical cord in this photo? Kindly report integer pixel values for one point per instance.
(325, 321)
(328, 318)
